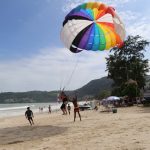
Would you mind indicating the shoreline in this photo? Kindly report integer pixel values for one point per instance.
(11, 110)
(35, 114)
(18, 109)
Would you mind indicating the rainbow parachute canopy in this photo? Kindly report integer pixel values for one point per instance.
(92, 26)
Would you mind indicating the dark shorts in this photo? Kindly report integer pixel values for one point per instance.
(63, 106)
(29, 118)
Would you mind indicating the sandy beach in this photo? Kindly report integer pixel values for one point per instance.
(129, 129)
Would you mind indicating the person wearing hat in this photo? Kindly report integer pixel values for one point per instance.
(29, 115)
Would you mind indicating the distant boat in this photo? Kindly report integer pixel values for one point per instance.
(85, 107)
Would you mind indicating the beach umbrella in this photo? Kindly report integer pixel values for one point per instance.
(112, 98)
(92, 26)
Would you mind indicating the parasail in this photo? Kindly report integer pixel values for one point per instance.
(92, 26)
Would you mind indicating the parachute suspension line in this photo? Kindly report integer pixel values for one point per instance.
(60, 88)
(61, 83)
(71, 75)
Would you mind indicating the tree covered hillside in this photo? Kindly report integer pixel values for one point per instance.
(91, 89)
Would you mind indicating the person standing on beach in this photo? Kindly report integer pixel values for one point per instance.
(49, 109)
(76, 107)
(63, 97)
(29, 115)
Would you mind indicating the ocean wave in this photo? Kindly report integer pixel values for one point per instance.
(13, 108)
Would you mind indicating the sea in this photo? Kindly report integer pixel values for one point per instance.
(17, 109)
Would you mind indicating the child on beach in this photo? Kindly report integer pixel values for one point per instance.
(29, 115)
(69, 108)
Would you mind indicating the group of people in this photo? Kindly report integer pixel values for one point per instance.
(41, 109)
(65, 99)
(64, 107)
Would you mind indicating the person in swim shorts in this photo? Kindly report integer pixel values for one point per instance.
(29, 115)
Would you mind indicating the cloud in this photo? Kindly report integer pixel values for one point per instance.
(70, 4)
(136, 23)
(129, 16)
(141, 28)
(52, 68)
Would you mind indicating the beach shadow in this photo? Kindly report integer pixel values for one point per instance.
(26, 133)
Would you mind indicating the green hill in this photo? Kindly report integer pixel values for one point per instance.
(24, 97)
(89, 90)
(94, 87)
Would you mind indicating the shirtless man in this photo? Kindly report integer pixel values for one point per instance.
(64, 99)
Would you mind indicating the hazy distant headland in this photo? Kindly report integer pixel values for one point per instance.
(88, 90)
(91, 89)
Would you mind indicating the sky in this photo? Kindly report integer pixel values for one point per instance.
(32, 55)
